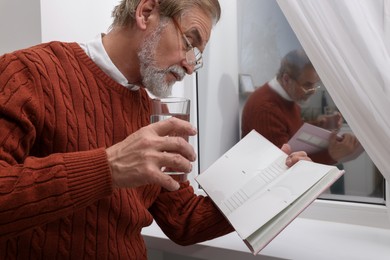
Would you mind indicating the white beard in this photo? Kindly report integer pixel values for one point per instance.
(154, 78)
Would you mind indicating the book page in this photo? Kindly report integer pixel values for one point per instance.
(267, 232)
(252, 186)
(240, 164)
(264, 205)
(257, 184)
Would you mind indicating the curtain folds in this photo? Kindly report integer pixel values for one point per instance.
(348, 42)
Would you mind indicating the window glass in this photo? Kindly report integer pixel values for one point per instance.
(264, 37)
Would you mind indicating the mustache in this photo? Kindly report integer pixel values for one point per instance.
(178, 71)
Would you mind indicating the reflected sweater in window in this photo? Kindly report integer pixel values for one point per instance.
(276, 118)
(58, 112)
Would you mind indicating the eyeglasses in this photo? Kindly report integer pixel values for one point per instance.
(193, 54)
(307, 87)
(309, 90)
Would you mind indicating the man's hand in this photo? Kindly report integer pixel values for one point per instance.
(341, 147)
(138, 159)
(295, 156)
(331, 122)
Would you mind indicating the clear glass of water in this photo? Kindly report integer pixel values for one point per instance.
(165, 108)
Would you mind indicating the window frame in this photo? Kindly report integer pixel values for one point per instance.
(221, 71)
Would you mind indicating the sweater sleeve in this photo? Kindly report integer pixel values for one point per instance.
(188, 219)
(322, 157)
(33, 190)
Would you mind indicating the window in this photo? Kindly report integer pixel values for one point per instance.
(220, 103)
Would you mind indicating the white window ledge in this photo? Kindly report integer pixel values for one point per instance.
(302, 239)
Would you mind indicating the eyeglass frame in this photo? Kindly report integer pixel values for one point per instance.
(306, 90)
(193, 54)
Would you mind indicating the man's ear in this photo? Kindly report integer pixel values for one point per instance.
(143, 12)
(285, 78)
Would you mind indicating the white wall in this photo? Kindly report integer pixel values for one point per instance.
(218, 89)
(26, 23)
(75, 20)
(20, 24)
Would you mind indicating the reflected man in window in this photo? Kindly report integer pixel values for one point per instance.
(274, 109)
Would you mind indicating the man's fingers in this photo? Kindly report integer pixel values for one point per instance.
(174, 126)
(295, 157)
(175, 162)
(174, 144)
(167, 182)
(286, 148)
(139, 158)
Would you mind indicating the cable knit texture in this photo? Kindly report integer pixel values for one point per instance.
(58, 111)
(276, 118)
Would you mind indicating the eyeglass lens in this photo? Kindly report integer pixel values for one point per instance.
(194, 57)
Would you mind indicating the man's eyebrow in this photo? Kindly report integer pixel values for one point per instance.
(309, 83)
(196, 37)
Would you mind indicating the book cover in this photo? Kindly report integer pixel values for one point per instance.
(312, 139)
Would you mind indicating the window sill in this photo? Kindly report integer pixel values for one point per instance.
(302, 239)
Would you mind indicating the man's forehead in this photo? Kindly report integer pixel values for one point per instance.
(197, 24)
(309, 74)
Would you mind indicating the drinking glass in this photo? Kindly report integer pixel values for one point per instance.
(332, 118)
(165, 108)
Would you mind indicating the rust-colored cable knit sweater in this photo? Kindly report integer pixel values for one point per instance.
(58, 111)
(276, 118)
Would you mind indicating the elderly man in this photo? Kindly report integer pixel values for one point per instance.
(274, 110)
(80, 164)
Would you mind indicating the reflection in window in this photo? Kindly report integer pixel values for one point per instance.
(265, 37)
(362, 181)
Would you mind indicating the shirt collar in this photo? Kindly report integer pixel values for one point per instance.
(275, 85)
(95, 50)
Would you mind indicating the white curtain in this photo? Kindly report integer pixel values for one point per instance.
(348, 42)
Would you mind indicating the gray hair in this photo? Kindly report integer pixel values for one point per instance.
(124, 12)
(293, 64)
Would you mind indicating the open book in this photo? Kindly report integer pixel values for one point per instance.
(258, 194)
(312, 139)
